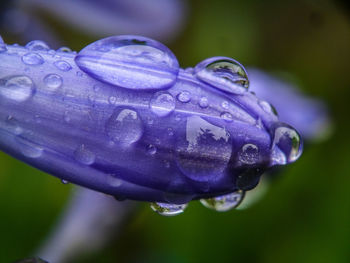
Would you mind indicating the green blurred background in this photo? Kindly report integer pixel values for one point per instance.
(305, 215)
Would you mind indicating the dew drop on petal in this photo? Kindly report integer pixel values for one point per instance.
(62, 65)
(18, 88)
(84, 155)
(29, 148)
(33, 59)
(165, 209)
(151, 149)
(203, 102)
(267, 107)
(131, 62)
(249, 154)
(162, 104)
(223, 73)
(224, 202)
(12, 125)
(286, 140)
(124, 126)
(64, 49)
(53, 81)
(37, 45)
(204, 150)
(184, 96)
(226, 116)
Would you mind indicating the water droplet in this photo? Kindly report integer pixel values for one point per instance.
(162, 104)
(225, 104)
(184, 96)
(62, 65)
(112, 100)
(83, 155)
(129, 62)
(79, 74)
(12, 125)
(97, 88)
(267, 107)
(288, 140)
(32, 59)
(165, 209)
(3, 47)
(114, 181)
(53, 81)
(64, 181)
(151, 149)
(37, 45)
(29, 148)
(64, 49)
(249, 154)
(18, 88)
(224, 202)
(204, 150)
(227, 116)
(124, 126)
(224, 73)
(203, 102)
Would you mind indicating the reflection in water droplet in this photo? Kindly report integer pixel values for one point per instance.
(223, 73)
(151, 149)
(249, 154)
(62, 65)
(29, 148)
(83, 155)
(224, 202)
(129, 62)
(124, 126)
(18, 88)
(287, 139)
(162, 104)
(32, 59)
(37, 45)
(203, 102)
(165, 209)
(225, 104)
(53, 81)
(184, 96)
(64, 49)
(204, 151)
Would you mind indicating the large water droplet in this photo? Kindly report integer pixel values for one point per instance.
(203, 150)
(18, 88)
(249, 154)
(53, 81)
(165, 209)
(130, 62)
(32, 59)
(83, 155)
(224, 202)
(162, 104)
(224, 73)
(29, 148)
(37, 45)
(62, 65)
(124, 126)
(288, 140)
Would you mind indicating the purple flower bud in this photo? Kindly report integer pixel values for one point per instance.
(122, 118)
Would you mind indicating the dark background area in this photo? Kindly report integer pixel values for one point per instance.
(305, 215)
